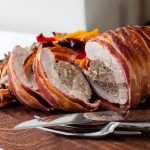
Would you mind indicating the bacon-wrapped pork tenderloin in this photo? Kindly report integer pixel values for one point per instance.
(119, 66)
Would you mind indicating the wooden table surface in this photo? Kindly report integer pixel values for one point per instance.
(35, 139)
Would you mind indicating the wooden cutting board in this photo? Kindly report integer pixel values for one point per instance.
(34, 139)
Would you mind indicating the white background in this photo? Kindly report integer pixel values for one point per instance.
(34, 16)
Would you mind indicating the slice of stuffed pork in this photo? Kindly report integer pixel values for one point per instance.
(62, 84)
(18, 78)
(120, 64)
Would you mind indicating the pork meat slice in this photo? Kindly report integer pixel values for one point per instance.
(62, 84)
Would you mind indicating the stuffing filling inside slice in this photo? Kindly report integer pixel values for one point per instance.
(66, 77)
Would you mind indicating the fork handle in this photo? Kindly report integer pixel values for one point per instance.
(144, 127)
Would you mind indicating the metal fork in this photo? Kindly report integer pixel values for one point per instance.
(90, 131)
(107, 130)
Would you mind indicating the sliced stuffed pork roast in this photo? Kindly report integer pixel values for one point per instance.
(116, 66)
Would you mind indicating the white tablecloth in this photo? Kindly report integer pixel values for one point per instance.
(8, 40)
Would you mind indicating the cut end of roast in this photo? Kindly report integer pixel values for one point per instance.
(66, 77)
(106, 74)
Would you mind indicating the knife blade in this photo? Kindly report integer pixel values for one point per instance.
(93, 118)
